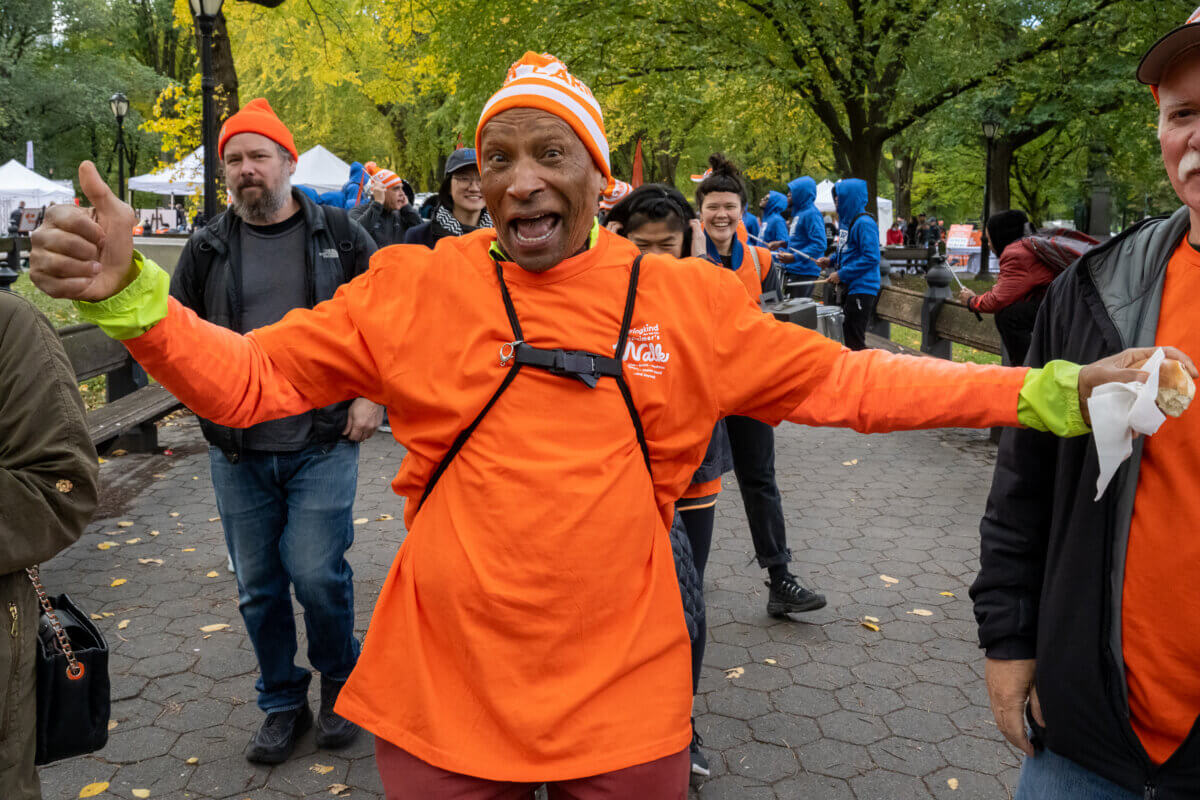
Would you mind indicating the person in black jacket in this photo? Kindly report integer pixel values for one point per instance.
(460, 208)
(1085, 604)
(284, 489)
(390, 213)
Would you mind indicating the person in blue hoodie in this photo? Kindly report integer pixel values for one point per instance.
(775, 229)
(856, 259)
(806, 235)
(751, 222)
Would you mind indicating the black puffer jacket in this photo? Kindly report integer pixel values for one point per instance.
(1052, 562)
(386, 227)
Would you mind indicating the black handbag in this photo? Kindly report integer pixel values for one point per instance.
(73, 699)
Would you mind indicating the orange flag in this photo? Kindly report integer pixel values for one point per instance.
(636, 179)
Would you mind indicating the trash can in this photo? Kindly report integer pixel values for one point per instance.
(829, 323)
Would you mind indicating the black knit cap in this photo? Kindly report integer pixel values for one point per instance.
(1006, 227)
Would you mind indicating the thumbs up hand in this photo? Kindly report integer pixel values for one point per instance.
(84, 254)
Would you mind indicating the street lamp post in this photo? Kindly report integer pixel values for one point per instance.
(205, 13)
(990, 128)
(120, 107)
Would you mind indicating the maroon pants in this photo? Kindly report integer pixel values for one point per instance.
(406, 777)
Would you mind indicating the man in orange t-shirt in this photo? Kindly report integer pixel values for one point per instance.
(555, 393)
(1086, 607)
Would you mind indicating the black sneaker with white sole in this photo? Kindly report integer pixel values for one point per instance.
(276, 738)
(699, 760)
(789, 597)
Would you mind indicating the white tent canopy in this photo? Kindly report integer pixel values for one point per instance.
(826, 205)
(185, 177)
(321, 170)
(18, 183)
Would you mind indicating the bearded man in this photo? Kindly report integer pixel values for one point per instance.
(555, 391)
(1079, 600)
(284, 488)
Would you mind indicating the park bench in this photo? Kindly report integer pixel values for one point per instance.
(11, 248)
(127, 420)
(923, 256)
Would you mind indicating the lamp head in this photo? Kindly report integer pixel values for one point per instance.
(119, 105)
(206, 8)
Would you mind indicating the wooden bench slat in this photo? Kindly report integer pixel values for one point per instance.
(127, 413)
(91, 352)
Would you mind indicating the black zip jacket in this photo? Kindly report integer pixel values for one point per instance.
(386, 227)
(1052, 561)
(208, 280)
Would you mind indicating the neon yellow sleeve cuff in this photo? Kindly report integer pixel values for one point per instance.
(1049, 400)
(135, 309)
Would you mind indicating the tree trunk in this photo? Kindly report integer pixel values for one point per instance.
(864, 158)
(225, 72)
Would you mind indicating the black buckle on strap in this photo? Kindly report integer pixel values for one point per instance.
(585, 367)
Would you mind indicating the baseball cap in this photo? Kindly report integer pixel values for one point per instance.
(1168, 48)
(463, 157)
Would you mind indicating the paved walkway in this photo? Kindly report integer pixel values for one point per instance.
(818, 708)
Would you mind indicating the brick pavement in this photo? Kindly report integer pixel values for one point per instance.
(825, 708)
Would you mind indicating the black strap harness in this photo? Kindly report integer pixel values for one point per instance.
(587, 368)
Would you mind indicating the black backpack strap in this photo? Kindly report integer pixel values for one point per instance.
(569, 363)
(338, 220)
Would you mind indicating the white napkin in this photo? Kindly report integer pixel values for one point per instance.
(1119, 409)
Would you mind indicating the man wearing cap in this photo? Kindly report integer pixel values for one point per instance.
(390, 214)
(555, 392)
(284, 488)
(1085, 607)
(460, 206)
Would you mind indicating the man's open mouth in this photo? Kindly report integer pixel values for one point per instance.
(535, 230)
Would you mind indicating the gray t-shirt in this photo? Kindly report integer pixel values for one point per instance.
(274, 265)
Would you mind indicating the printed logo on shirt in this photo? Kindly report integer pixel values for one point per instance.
(843, 237)
(644, 355)
(329, 253)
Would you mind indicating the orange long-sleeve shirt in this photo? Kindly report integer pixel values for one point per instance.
(531, 626)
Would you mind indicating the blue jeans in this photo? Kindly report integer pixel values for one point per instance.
(288, 520)
(1048, 776)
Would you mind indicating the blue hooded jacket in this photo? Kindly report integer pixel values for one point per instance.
(352, 190)
(807, 232)
(857, 260)
(751, 223)
(774, 227)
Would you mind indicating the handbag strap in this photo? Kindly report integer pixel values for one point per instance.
(74, 668)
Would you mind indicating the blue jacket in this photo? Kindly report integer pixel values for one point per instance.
(774, 226)
(352, 190)
(807, 232)
(751, 223)
(857, 259)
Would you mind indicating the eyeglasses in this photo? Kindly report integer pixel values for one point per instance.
(466, 176)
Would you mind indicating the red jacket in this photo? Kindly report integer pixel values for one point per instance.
(895, 236)
(1022, 276)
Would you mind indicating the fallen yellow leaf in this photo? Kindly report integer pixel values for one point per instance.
(123, 624)
(217, 626)
(106, 545)
(735, 672)
(141, 794)
(93, 789)
(320, 769)
(947, 594)
(102, 460)
(770, 661)
(159, 475)
(871, 619)
(850, 463)
(338, 788)
(125, 524)
(108, 614)
(154, 533)
(952, 783)
(870, 626)
(189, 549)
(119, 582)
(150, 560)
(193, 760)
(212, 574)
(118, 453)
(96, 616)
(195, 477)
(383, 518)
(921, 612)
(213, 519)
(64, 485)
(112, 723)
(360, 521)
(134, 540)
(174, 514)
(888, 579)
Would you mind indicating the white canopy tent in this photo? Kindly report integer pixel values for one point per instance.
(18, 183)
(186, 177)
(826, 205)
(321, 170)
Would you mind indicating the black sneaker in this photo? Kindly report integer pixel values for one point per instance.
(276, 738)
(789, 597)
(333, 730)
(699, 761)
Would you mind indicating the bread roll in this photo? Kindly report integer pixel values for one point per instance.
(1175, 387)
